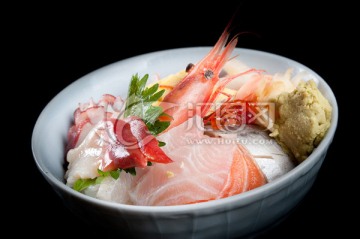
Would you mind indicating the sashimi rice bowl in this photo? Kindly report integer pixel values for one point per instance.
(193, 142)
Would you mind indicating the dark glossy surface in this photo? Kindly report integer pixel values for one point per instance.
(61, 47)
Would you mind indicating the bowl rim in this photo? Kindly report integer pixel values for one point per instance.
(219, 204)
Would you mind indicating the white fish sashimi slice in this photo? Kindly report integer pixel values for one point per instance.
(84, 160)
(200, 171)
(268, 154)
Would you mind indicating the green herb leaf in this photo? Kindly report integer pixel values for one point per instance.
(99, 179)
(139, 103)
(115, 174)
(101, 173)
(141, 84)
(134, 93)
(150, 91)
(82, 184)
(152, 114)
(156, 96)
(132, 171)
(158, 127)
(161, 143)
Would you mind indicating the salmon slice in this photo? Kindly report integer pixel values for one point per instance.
(203, 170)
(244, 174)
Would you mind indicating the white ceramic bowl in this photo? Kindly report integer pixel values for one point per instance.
(235, 216)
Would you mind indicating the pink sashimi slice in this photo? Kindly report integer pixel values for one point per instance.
(203, 170)
(87, 115)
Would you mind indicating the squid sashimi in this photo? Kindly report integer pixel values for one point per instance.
(87, 115)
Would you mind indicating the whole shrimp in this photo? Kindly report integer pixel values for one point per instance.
(201, 86)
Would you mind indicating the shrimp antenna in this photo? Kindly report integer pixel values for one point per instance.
(229, 27)
(245, 33)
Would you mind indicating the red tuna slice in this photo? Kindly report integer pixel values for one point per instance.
(148, 144)
(134, 146)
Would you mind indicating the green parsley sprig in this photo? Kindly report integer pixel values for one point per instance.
(140, 103)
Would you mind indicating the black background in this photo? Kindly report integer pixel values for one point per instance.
(53, 46)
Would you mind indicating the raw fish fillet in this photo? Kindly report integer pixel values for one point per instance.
(202, 170)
